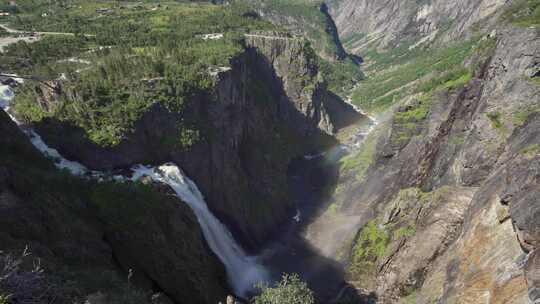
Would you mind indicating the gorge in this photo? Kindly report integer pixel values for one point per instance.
(385, 151)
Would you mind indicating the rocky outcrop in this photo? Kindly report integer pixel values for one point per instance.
(390, 23)
(301, 82)
(88, 236)
(267, 108)
(308, 19)
(455, 199)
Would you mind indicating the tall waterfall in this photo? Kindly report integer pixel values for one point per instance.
(243, 271)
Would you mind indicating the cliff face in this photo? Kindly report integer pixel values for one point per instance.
(454, 200)
(87, 236)
(264, 110)
(309, 19)
(382, 24)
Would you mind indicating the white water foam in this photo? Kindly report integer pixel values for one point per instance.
(6, 95)
(244, 272)
(297, 217)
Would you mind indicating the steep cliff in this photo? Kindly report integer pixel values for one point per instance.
(448, 207)
(305, 18)
(382, 24)
(312, 20)
(86, 237)
(268, 107)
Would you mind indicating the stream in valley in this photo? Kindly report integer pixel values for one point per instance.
(310, 180)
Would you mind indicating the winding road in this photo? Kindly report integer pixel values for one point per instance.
(28, 36)
(14, 31)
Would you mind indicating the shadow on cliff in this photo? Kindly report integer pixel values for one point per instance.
(310, 183)
(252, 127)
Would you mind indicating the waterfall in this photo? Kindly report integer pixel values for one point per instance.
(6, 95)
(243, 271)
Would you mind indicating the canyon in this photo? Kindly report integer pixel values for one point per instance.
(419, 184)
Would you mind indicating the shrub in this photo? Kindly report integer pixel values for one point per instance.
(290, 290)
(24, 285)
(369, 247)
(4, 299)
(406, 231)
(531, 150)
(495, 119)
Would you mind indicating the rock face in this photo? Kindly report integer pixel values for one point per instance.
(391, 22)
(456, 203)
(89, 235)
(269, 107)
(311, 20)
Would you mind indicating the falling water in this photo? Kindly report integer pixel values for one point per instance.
(243, 271)
(6, 95)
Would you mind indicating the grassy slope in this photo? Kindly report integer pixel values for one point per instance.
(396, 73)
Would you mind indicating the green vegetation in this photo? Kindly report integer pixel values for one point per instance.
(75, 207)
(124, 61)
(415, 113)
(359, 161)
(305, 16)
(523, 13)
(332, 209)
(290, 290)
(450, 79)
(520, 116)
(406, 231)
(341, 76)
(369, 247)
(302, 16)
(59, 194)
(393, 75)
(409, 120)
(410, 299)
(495, 119)
(531, 150)
(413, 193)
(34, 284)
